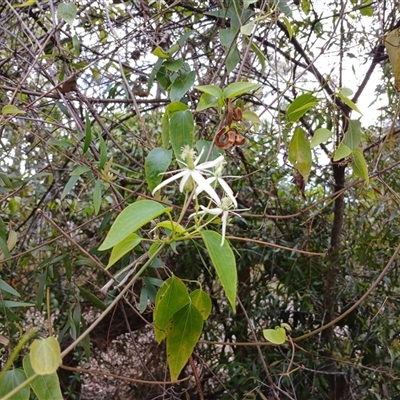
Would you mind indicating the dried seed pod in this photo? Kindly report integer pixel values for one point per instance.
(239, 139)
(224, 140)
(237, 114)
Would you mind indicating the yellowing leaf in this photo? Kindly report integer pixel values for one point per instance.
(45, 356)
(11, 109)
(275, 336)
(183, 333)
(300, 153)
(392, 44)
(26, 4)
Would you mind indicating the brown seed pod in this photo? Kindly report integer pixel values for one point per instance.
(223, 139)
(69, 85)
(229, 113)
(239, 139)
(237, 114)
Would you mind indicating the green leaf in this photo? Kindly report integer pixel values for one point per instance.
(251, 116)
(204, 146)
(299, 106)
(321, 135)
(157, 162)
(91, 298)
(238, 88)
(341, 152)
(227, 37)
(67, 11)
(172, 226)
(171, 297)
(224, 263)
(288, 27)
(300, 153)
(212, 90)
(97, 196)
(5, 287)
(232, 59)
(46, 387)
(181, 85)
(183, 333)
(359, 165)
(202, 301)
(131, 219)
(275, 336)
(260, 55)
(11, 380)
(206, 101)
(123, 247)
(181, 131)
(343, 93)
(352, 137)
(159, 52)
(45, 355)
(14, 304)
(247, 29)
(70, 184)
(88, 133)
(10, 109)
(76, 46)
(174, 65)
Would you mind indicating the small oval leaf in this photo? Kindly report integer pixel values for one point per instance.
(45, 355)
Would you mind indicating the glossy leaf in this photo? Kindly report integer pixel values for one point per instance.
(224, 262)
(238, 88)
(202, 301)
(172, 226)
(67, 11)
(157, 162)
(123, 247)
(131, 219)
(321, 135)
(46, 387)
(45, 355)
(181, 85)
(181, 131)
(342, 152)
(275, 336)
(183, 333)
(171, 297)
(300, 153)
(343, 95)
(299, 106)
(207, 101)
(212, 90)
(11, 380)
(173, 65)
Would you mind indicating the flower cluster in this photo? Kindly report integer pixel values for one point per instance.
(205, 177)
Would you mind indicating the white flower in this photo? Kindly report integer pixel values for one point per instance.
(217, 176)
(193, 172)
(224, 208)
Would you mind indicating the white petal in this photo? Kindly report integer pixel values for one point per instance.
(171, 179)
(209, 181)
(210, 164)
(228, 191)
(185, 178)
(224, 222)
(204, 185)
(212, 211)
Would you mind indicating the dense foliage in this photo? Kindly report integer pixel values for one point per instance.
(98, 99)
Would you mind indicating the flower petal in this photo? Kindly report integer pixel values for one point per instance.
(228, 191)
(210, 164)
(224, 222)
(171, 179)
(204, 185)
